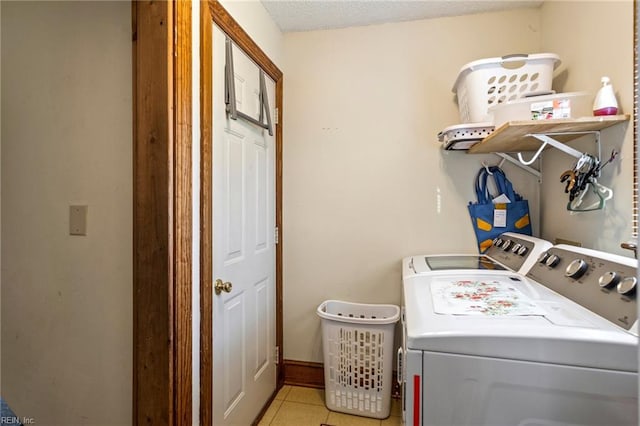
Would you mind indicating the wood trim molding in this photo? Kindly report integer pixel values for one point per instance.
(279, 256)
(206, 218)
(182, 214)
(303, 373)
(213, 11)
(162, 372)
(229, 26)
(152, 298)
(311, 375)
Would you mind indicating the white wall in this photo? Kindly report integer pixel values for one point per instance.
(365, 180)
(598, 42)
(67, 139)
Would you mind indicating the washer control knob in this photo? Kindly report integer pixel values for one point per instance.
(497, 241)
(576, 269)
(608, 279)
(523, 250)
(543, 257)
(516, 247)
(506, 245)
(627, 286)
(552, 261)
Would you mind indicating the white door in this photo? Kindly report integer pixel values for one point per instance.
(244, 361)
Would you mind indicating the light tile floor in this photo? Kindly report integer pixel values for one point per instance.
(298, 406)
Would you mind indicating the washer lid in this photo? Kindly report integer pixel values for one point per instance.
(552, 329)
(447, 263)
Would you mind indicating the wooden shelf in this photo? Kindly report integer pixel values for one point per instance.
(513, 136)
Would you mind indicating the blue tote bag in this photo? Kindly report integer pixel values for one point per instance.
(490, 220)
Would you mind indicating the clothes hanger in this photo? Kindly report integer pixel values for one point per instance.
(603, 193)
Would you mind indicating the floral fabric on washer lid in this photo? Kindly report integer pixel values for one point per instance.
(481, 297)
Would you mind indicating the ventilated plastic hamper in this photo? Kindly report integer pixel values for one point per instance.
(488, 82)
(357, 342)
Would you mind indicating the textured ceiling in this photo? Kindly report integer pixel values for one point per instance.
(307, 15)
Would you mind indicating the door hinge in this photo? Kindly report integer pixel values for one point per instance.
(175, 41)
(276, 235)
(275, 119)
(277, 353)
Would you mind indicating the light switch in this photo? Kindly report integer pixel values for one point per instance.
(78, 220)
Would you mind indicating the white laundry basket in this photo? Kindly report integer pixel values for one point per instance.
(488, 82)
(357, 342)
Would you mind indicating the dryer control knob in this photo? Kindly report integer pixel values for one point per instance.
(523, 250)
(506, 245)
(543, 257)
(576, 269)
(608, 279)
(497, 242)
(627, 286)
(552, 261)
(516, 247)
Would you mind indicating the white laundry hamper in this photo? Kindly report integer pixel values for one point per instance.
(357, 342)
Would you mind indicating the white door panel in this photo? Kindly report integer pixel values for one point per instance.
(233, 146)
(234, 352)
(244, 369)
(262, 217)
(261, 325)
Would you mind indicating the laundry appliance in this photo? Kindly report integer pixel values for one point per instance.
(555, 344)
(510, 251)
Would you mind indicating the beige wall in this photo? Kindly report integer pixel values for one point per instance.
(67, 139)
(598, 41)
(365, 180)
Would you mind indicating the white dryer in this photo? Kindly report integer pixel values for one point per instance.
(557, 346)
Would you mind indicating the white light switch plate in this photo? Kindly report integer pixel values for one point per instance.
(78, 220)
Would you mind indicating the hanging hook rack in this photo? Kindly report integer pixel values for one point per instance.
(487, 167)
(230, 94)
(546, 139)
(509, 158)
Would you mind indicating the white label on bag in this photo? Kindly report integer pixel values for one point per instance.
(501, 199)
(500, 217)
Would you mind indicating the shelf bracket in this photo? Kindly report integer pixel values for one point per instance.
(546, 139)
(524, 167)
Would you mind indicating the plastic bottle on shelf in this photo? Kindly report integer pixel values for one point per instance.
(605, 102)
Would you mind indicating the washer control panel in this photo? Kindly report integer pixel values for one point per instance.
(601, 282)
(513, 250)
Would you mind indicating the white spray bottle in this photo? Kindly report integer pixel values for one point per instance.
(605, 102)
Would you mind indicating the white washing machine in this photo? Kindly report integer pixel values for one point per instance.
(557, 346)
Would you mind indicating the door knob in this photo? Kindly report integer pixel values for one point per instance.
(222, 286)
(631, 246)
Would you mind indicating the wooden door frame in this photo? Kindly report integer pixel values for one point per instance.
(212, 11)
(162, 213)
